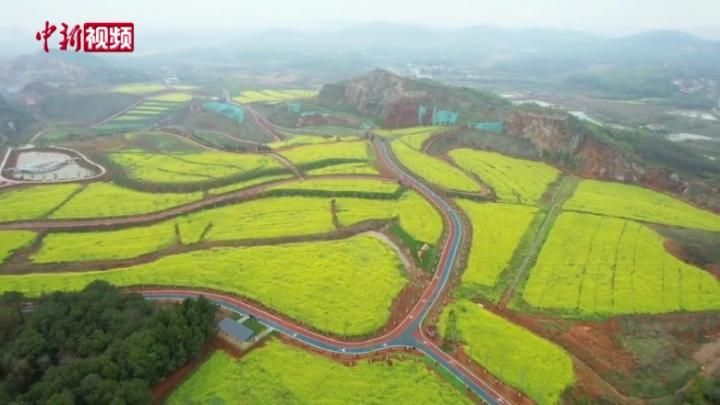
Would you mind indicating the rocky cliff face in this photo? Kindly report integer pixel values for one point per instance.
(396, 100)
(588, 157)
(370, 95)
(556, 137)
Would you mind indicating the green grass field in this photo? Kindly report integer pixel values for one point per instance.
(109, 200)
(325, 151)
(527, 362)
(10, 241)
(514, 180)
(497, 230)
(344, 287)
(191, 167)
(434, 170)
(417, 217)
(107, 245)
(272, 96)
(33, 202)
(280, 374)
(343, 185)
(258, 219)
(597, 265)
(640, 204)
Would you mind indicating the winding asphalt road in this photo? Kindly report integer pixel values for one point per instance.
(409, 333)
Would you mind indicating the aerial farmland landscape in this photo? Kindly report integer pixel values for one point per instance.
(297, 204)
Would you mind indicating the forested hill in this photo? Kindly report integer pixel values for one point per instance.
(97, 346)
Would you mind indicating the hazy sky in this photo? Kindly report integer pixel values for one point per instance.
(600, 16)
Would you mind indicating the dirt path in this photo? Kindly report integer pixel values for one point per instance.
(406, 261)
(20, 262)
(128, 221)
(287, 163)
(562, 193)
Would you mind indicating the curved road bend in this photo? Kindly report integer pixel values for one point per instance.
(408, 333)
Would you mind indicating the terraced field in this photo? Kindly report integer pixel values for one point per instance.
(147, 88)
(297, 140)
(259, 219)
(147, 112)
(248, 183)
(379, 186)
(417, 217)
(10, 241)
(338, 153)
(594, 265)
(191, 167)
(405, 132)
(344, 287)
(434, 170)
(101, 200)
(108, 245)
(535, 366)
(33, 202)
(640, 204)
(344, 168)
(497, 230)
(514, 180)
(270, 375)
(272, 96)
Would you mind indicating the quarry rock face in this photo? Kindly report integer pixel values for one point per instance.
(553, 136)
(370, 95)
(398, 102)
(549, 133)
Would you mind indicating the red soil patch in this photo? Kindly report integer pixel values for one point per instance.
(162, 389)
(594, 346)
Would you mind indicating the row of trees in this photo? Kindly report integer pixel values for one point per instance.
(95, 346)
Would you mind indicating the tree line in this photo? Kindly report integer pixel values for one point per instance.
(95, 346)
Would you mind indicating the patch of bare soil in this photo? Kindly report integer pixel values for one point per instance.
(708, 356)
(594, 346)
(162, 389)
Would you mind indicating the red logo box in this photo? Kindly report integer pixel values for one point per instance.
(108, 37)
